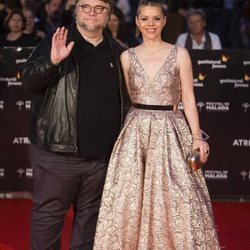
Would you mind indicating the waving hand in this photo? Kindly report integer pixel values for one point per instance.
(59, 50)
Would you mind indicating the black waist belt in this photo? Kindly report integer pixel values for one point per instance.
(155, 107)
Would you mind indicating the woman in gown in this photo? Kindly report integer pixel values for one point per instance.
(151, 199)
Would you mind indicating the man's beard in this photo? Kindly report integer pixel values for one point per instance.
(91, 28)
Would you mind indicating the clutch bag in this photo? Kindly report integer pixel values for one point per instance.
(194, 162)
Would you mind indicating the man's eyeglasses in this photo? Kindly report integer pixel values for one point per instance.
(86, 8)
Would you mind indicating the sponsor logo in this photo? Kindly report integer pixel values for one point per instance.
(21, 140)
(14, 83)
(19, 104)
(1, 105)
(246, 63)
(214, 106)
(201, 77)
(224, 58)
(28, 105)
(2, 174)
(11, 81)
(216, 174)
(238, 83)
(198, 82)
(218, 106)
(241, 143)
(245, 175)
(21, 60)
(208, 62)
(20, 172)
(29, 172)
(200, 105)
(215, 64)
(245, 105)
(246, 77)
(25, 104)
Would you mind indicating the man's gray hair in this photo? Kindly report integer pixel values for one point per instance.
(193, 12)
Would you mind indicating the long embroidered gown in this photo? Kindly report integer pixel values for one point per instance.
(151, 199)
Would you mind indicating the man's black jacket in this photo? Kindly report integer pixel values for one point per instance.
(55, 88)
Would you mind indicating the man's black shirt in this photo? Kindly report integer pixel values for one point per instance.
(98, 104)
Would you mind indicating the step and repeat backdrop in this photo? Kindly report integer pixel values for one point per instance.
(222, 89)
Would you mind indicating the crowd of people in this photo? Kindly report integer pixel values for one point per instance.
(223, 22)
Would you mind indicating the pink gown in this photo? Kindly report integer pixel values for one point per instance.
(151, 200)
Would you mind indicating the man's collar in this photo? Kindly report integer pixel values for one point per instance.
(79, 38)
(203, 39)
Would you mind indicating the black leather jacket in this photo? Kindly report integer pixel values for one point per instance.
(55, 88)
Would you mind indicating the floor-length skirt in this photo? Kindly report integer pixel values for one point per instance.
(151, 199)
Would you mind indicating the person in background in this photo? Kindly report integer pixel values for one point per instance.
(30, 27)
(15, 25)
(213, 10)
(230, 26)
(119, 30)
(6, 7)
(245, 25)
(3, 15)
(176, 23)
(198, 37)
(151, 198)
(68, 12)
(77, 112)
(52, 20)
(23, 3)
(124, 6)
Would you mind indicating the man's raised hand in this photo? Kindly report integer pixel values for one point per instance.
(59, 50)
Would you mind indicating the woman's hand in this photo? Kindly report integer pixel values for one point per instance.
(59, 50)
(203, 149)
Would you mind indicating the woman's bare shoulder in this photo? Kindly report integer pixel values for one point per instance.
(182, 55)
(182, 51)
(124, 53)
(125, 58)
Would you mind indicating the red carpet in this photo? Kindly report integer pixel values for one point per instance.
(232, 220)
(14, 225)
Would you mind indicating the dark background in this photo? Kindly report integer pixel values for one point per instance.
(223, 109)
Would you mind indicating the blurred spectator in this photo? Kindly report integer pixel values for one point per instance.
(119, 30)
(3, 15)
(6, 6)
(245, 25)
(30, 27)
(52, 19)
(68, 12)
(198, 37)
(214, 13)
(176, 19)
(133, 5)
(184, 6)
(230, 27)
(12, 4)
(24, 2)
(15, 24)
(124, 6)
